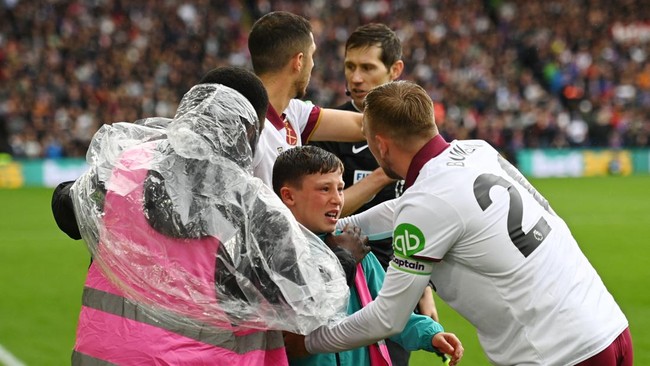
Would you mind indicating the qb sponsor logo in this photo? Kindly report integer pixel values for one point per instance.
(407, 239)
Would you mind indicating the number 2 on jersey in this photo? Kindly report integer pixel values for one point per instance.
(525, 242)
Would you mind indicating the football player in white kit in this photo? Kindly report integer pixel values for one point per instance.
(491, 244)
(282, 47)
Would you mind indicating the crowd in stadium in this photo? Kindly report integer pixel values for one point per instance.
(518, 74)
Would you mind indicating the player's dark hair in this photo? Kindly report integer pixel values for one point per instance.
(294, 164)
(243, 81)
(275, 38)
(377, 34)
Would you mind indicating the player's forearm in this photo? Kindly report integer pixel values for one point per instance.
(382, 318)
(376, 222)
(364, 190)
(339, 125)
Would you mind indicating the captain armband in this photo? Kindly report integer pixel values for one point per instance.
(412, 265)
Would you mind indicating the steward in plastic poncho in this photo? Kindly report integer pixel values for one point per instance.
(194, 260)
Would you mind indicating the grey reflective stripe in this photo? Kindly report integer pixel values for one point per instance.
(80, 359)
(118, 305)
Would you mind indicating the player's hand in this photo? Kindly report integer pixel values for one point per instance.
(295, 345)
(351, 240)
(449, 344)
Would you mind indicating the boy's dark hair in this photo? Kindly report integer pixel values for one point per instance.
(243, 81)
(275, 38)
(380, 35)
(292, 165)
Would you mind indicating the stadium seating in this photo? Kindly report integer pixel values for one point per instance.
(515, 73)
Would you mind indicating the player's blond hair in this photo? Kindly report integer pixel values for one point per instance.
(401, 110)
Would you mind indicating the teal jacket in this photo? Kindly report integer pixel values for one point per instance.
(416, 335)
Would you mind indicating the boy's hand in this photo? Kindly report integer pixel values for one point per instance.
(449, 344)
(351, 240)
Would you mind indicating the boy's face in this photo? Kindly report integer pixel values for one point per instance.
(317, 204)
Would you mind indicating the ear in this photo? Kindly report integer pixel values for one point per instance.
(297, 61)
(396, 70)
(287, 197)
(383, 145)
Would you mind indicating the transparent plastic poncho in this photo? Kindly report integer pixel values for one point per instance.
(173, 217)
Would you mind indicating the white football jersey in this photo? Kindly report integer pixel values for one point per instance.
(282, 132)
(497, 253)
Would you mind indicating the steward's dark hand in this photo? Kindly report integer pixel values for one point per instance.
(351, 240)
(295, 345)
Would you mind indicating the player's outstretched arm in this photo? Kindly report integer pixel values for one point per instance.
(364, 190)
(338, 125)
(376, 222)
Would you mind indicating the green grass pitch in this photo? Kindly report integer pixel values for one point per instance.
(42, 270)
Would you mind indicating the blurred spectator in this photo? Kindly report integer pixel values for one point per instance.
(516, 73)
(5, 147)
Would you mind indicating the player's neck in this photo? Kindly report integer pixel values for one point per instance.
(279, 94)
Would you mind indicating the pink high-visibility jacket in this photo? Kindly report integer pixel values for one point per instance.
(115, 327)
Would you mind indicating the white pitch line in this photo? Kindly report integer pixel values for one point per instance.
(8, 359)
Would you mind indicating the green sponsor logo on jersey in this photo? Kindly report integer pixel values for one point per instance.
(407, 239)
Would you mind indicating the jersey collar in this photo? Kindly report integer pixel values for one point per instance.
(430, 150)
(276, 120)
(355, 106)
